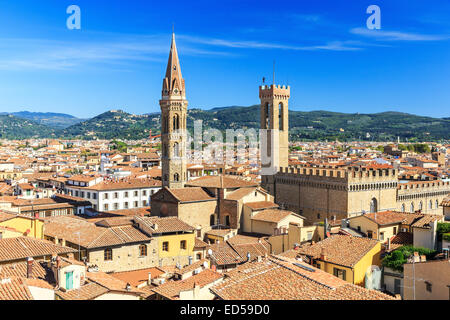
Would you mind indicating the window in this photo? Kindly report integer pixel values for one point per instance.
(403, 208)
(144, 193)
(105, 196)
(116, 206)
(373, 204)
(116, 195)
(211, 220)
(88, 195)
(381, 236)
(339, 273)
(76, 193)
(144, 203)
(82, 194)
(107, 254)
(136, 204)
(94, 196)
(395, 230)
(136, 193)
(411, 208)
(125, 194)
(199, 256)
(309, 235)
(165, 246)
(105, 206)
(125, 205)
(369, 234)
(429, 286)
(227, 220)
(142, 250)
(183, 244)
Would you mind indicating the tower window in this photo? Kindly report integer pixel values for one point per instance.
(176, 177)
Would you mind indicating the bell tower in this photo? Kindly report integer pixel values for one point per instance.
(173, 105)
(275, 138)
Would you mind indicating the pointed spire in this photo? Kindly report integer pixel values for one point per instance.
(173, 83)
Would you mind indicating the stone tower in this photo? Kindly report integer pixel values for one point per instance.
(173, 123)
(275, 119)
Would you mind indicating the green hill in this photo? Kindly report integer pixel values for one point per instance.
(313, 125)
(12, 127)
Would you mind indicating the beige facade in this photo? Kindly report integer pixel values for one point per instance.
(427, 280)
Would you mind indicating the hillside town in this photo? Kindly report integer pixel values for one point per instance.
(138, 220)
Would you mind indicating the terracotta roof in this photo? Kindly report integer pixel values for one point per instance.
(111, 283)
(339, 249)
(14, 289)
(391, 217)
(446, 202)
(22, 247)
(223, 254)
(124, 184)
(401, 239)
(172, 289)
(222, 181)
(257, 205)
(88, 291)
(157, 225)
(279, 278)
(91, 235)
(200, 243)
(240, 193)
(272, 215)
(190, 194)
(138, 277)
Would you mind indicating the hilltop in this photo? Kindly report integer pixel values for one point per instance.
(312, 125)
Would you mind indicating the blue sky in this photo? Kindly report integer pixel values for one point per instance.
(323, 50)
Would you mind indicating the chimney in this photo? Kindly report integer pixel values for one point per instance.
(248, 256)
(196, 289)
(128, 287)
(30, 261)
(190, 260)
(58, 262)
(149, 280)
(323, 255)
(388, 248)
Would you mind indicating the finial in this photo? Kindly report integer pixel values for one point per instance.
(173, 27)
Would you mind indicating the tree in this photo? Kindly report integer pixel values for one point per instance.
(396, 259)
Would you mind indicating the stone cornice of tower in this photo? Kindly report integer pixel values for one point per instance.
(173, 83)
(280, 92)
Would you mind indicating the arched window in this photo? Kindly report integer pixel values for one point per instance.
(420, 206)
(176, 177)
(437, 205)
(411, 209)
(281, 116)
(403, 208)
(176, 122)
(142, 250)
(373, 205)
(267, 114)
(430, 205)
(176, 149)
(212, 220)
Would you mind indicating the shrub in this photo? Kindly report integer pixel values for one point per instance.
(396, 259)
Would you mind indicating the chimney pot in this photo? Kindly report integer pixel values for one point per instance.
(30, 261)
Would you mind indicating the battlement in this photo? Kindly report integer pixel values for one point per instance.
(316, 172)
(352, 174)
(423, 184)
(280, 91)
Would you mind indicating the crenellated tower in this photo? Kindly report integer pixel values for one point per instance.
(275, 119)
(173, 105)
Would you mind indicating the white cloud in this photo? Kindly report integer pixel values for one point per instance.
(397, 35)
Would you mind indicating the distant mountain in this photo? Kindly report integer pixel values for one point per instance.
(52, 119)
(12, 127)
(312, 125)
(113, 124)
